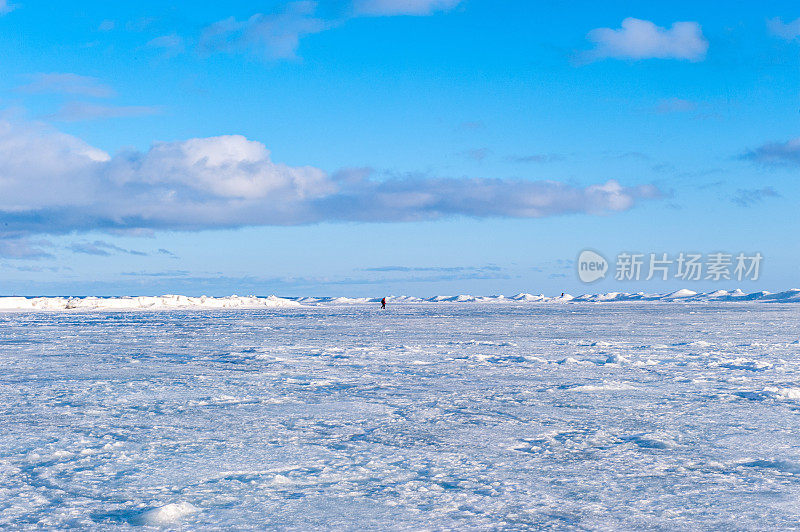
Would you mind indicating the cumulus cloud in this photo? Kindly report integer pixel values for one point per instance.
(784, 30)
(67, 83)
(53, 183)
(641, 39)
(275, 36)
(401, 7)
(81, 111)
(776, 153)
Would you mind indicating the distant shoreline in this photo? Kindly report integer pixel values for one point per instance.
(179, 302)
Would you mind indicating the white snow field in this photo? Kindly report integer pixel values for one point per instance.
(622, 415)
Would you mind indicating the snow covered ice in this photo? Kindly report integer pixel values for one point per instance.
(629, 414)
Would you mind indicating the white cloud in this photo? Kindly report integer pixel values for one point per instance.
(401, 7)
(788, 30)
(41, 167)
(56, 183)
(641, 39)
(275, 36)
(171, 44)
(227, 168)
(67, 83)
(777, 153)
(81, 111)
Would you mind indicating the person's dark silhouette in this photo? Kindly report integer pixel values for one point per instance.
(383, 303)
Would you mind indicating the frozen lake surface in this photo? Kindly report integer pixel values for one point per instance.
(427, 416)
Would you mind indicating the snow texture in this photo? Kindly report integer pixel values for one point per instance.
(642, 415)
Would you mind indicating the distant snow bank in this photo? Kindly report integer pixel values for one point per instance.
(170, 302)
(792, 295)
(167, 302)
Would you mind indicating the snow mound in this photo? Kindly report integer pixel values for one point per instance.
(788, 295)
(528, 297)
(680, 294)
(404, 299)
(789, 393)
(167, 302)
(167, 514)
(350, 300)
(463, 298)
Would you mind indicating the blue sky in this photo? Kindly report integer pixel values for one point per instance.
(370, 147)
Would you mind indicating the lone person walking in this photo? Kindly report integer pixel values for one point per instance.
(383, 303)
